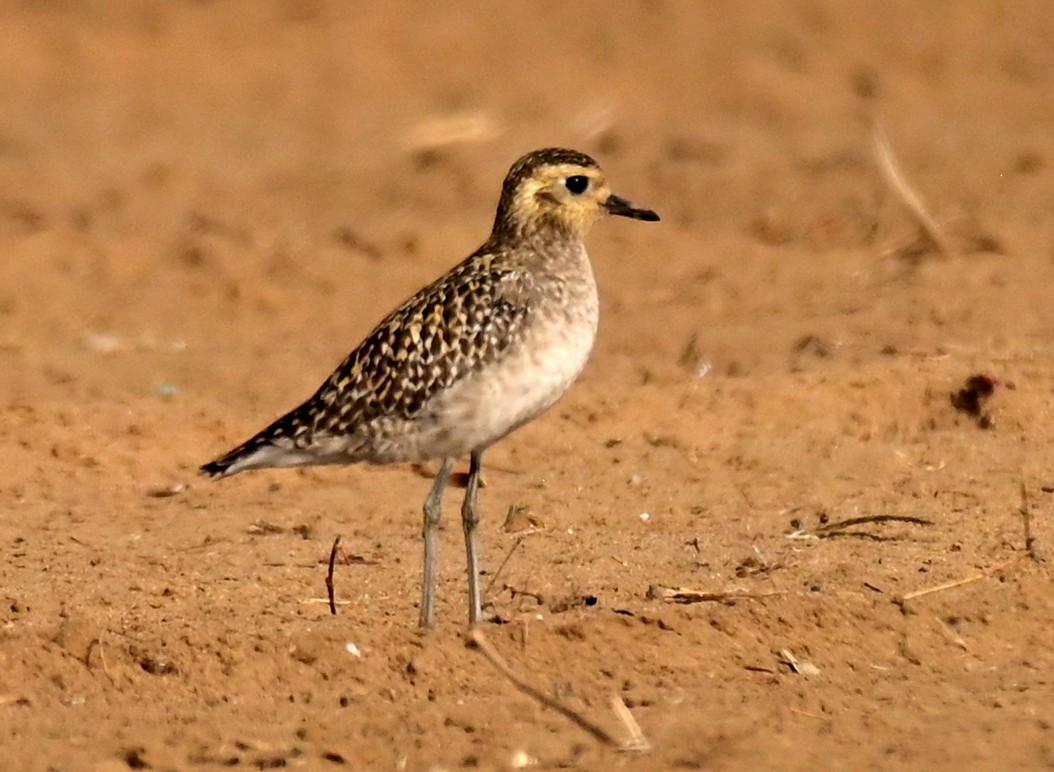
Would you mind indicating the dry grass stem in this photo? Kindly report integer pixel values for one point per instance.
(637, 741)
(901, 599)
(801, 667)
(328, 601)
(951, 635)
(1026, 520)
(687, 595)
(894, 177)
(501, 567)
(478, 641)
(443, 131)
(841, 525)
(832, 530)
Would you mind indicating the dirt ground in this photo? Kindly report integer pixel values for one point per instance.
(204, 205)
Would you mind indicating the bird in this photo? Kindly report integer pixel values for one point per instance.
(476, 354)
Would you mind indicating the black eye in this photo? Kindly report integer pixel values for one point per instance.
(577, 183)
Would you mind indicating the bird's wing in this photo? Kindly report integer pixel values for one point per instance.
(457, 325)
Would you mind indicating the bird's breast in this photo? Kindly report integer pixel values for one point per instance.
(530, 377)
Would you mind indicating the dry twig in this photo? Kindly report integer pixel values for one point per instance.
(1026, 519)
(902, 599)
(687, 595)
(327, 601)
(478, 641)
(833, 529)
(329, 576)
(501, 567)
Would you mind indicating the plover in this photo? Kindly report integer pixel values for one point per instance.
(477, 353)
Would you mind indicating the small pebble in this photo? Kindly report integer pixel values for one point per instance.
(521, 759)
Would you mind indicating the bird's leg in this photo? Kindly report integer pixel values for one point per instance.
(432, 509)
(469, 520)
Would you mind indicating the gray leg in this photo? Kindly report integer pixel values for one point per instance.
(433, 509)
(469, 520)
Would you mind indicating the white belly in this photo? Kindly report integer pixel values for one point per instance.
(486, 406)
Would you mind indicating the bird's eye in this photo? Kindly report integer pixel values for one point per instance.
(577, 183)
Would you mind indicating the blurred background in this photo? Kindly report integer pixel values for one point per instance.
(205, 204)
(222, 177)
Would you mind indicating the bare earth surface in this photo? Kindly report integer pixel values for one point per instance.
(205, 205)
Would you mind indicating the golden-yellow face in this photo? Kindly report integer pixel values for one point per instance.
(562, 191)
(568, 196)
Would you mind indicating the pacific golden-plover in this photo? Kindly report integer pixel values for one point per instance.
(471, 357)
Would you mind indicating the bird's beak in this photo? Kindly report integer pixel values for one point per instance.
(623, 208)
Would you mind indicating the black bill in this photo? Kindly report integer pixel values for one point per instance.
(624, 208)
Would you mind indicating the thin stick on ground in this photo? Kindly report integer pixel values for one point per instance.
(832, 529)
(687, 595)
(501, 567)
(327, 601)
(901, 599)
(478, 641)
(1026, 519)
(894, 177)
(329, 577)
(841, 525)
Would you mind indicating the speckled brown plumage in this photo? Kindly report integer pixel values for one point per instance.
(455, 326)
(476, 353)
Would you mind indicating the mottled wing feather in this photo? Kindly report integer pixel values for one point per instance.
(459, 324)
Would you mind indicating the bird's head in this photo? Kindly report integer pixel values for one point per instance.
(557, 190)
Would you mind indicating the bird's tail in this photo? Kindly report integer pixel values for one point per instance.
(235, 460)
(272, 447)
(229, 462)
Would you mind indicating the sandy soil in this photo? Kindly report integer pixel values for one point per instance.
(205, 205)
